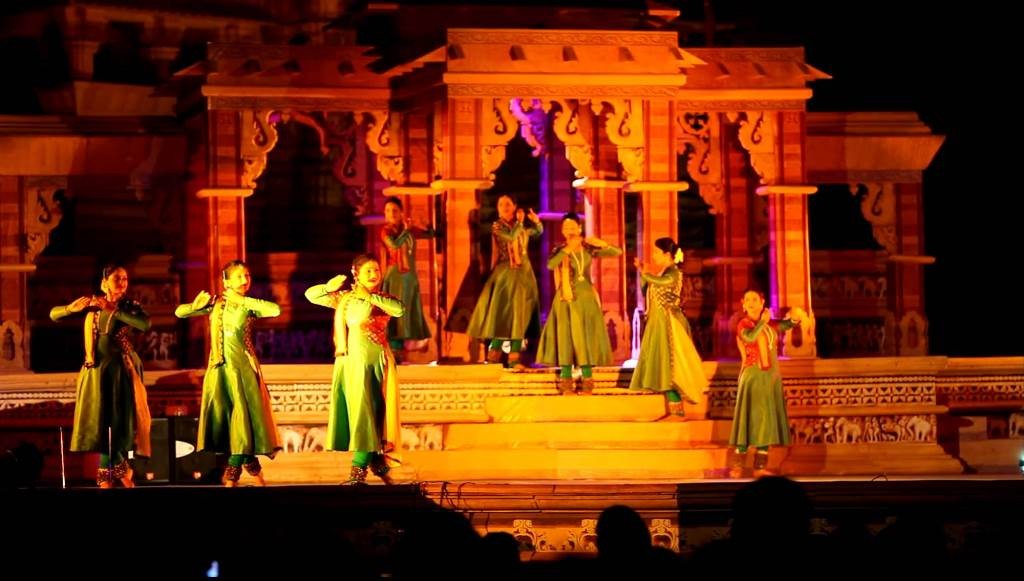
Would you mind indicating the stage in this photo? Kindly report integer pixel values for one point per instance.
(891, 416)
(486, 450)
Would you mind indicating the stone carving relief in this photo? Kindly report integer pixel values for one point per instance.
(567, 538)
(1016, 425)
(913, 334)
(850, 391)
(850, 286)
(863, 429)
(12, 341)
(989, 389)
(422, 437)
(299, 438)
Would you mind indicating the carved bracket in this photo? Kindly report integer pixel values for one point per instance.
(573, 125)
(259, 136)
(878, 206)
(347, 140)
(624, 123)
(533, 123)
(347, 135)
(757, 135)
(42, 212)
(624, 127)
(700, 140)
(632, 161)
(384, 138)
(498, 127)
(307, 120)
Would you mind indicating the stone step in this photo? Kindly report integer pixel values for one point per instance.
(576, 408)
(508, 464)
(879, 458)
(661, 435)
(615, 465)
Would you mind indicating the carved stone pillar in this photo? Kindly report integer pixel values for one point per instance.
(419, 204)
(604, 210)
(596, 161)
(255, 135)
(734, 244)
(28, 213)
(231, 154)
(658, 188)
(789, 258)
(465, 158)
(894, 211)
(774, 141)
(573, 125)
(555, 194)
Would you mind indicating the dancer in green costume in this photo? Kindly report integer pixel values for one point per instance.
(575, 333)
(111, 410)
(398, 261)
(668, 361)
(759, 419)
(234, 415)
(508, 302)
(364, 387)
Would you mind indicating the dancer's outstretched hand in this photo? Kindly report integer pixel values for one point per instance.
(335, 283)
(80, 304)
(202, 299)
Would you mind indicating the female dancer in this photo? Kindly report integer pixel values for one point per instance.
(234, 414)
(574, 333)
(398, 255)
(759, 419)
(111, 411)
(364, 393)
(508, 301)
(668, 361)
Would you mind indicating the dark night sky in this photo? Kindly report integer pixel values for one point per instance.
(951, 65)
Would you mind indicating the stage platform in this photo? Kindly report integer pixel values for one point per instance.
(866, 417)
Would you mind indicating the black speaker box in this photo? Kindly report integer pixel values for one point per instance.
(175, 459)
